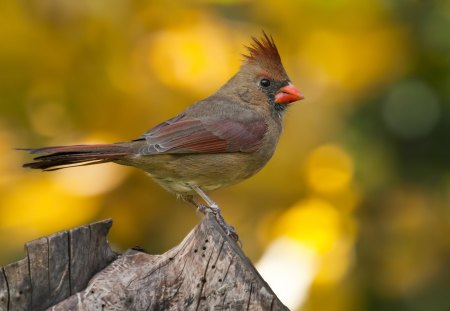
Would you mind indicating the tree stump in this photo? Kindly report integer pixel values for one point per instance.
(206, 271)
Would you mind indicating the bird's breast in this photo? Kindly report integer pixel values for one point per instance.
(175, 172)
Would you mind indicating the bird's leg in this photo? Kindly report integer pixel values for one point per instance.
(215, 209)
(200, 207)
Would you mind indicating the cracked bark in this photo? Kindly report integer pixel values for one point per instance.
(206, 271)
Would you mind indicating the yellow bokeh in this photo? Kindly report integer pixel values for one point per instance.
(335, 264)
(352, 59)
(43, 207)
(74, 69)
(329, 169)
(92, 180)
(10, 162)
(313, 222)
(181, 57)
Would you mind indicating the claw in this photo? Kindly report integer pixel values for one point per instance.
(229, 229)
(213, 208)
(203, 209)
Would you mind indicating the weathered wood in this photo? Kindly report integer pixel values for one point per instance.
(37, 252)
(17, 276)
(89, 250)
(54, 266)
(79, 257)
(207, 271)
(58, 267)
(4, 294)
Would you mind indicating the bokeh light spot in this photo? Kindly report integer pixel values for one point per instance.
(335, 264)
(329, 169)
(289, 268)
(182, 58)
(313, 222)
(91, 180)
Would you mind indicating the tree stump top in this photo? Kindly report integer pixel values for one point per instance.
(206, 271)
(55, 267)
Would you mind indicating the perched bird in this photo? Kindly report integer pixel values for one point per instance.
(216, 142)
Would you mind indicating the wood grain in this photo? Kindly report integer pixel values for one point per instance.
(55, 267)
(206, 271)
(77, 270)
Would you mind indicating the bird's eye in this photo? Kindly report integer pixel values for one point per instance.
(264, 83)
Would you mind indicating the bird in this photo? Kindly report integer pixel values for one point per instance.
(215, 142)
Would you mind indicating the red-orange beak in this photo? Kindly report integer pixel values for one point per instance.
(288, 94)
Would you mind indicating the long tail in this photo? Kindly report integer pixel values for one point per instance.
(59, 157)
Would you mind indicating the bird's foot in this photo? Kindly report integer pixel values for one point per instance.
(204, 209)
(213, 208)
(229, 229)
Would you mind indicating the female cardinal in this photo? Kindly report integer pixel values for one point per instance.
(216, 142)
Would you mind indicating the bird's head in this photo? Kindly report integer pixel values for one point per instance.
(262, 80)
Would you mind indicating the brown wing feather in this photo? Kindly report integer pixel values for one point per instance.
(204, 136)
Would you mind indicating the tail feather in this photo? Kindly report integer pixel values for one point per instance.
(59, 157)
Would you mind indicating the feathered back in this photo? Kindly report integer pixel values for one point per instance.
(264, 53)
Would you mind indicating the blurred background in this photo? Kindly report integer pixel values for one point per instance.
(353, 211)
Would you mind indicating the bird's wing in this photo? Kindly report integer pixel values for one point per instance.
(190, 135)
